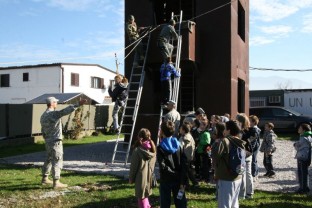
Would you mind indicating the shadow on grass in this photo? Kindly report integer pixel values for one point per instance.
(125, 202)
(265, 199)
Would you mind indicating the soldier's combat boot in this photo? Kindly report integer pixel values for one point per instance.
(58, 185)
(46, 181)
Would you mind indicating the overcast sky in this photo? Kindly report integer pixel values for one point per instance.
(92, 31)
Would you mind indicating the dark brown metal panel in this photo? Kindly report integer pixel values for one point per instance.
(240, 51)
(213, 55)
(188, 29)
(221, 57)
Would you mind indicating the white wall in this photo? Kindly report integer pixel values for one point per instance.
(85, 73)
(41, 80)
(299, 101)
(47, 79)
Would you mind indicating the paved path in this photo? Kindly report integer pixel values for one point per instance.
(95, 158)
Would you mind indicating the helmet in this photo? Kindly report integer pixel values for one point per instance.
(131, 17)
(172, 22)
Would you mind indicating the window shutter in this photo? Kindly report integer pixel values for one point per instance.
(5, 80)
(101, 83)
(74, 79)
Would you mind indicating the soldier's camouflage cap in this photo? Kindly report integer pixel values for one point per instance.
(131, 17)
(50, 100)
(171, 102)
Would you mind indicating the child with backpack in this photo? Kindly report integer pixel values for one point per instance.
(229, 165)
(303, 156)
(268, 148)
(142, 167)
(173, 168)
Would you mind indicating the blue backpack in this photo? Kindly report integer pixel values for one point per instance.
(237, 156)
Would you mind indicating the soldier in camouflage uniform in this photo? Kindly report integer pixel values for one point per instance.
(173, 115)
(133, 35)
(166, 34)
(51, 129)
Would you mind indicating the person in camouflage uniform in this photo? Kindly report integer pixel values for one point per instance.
(173, 115)
(166, 34)
(133, 35)
(51, 129)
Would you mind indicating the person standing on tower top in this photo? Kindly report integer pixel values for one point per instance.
(133, 35)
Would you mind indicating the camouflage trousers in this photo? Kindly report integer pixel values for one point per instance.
(54, 160)
(165, 49)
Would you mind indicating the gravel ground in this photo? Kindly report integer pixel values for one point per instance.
(285, 167)
(97, 157)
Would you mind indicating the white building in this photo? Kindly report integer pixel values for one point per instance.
(19, 84)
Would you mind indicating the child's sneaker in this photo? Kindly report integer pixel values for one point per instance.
(249, 196)
(271, 175)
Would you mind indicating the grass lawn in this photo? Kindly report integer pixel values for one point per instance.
(20, 187)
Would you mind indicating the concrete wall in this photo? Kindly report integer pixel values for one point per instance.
(23, 120)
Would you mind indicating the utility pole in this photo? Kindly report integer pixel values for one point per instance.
(117, 64)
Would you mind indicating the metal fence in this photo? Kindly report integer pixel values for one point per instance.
(23, 120)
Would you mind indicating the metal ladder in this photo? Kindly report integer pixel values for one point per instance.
(176, 82)
(131, 107)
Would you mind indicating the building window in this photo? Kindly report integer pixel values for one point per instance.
(275, 99)
(97, 82)
(25, 77)
(74, 79)
(5, 80)
(111, 82)
(241, 21)
(257, 101)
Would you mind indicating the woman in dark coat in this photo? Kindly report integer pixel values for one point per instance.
(119, 96)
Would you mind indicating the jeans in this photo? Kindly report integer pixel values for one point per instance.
(247, 187)
(228, 192)
(115, 115)
(166, 88)
(267, 162)
(205, 166)
(165, 190)
(303, 174)
(254, 163)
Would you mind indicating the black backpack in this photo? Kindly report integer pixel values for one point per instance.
(237, 156)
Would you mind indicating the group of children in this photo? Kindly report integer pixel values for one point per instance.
(200, 153)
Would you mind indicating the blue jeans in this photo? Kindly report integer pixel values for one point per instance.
(267, 163)
(165, 190)
(254, 163)
(303, 174)
(115, 115)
